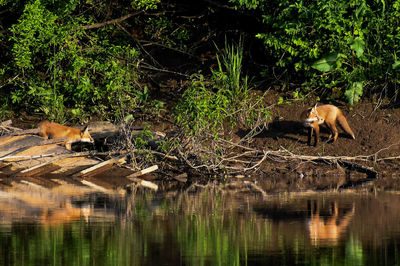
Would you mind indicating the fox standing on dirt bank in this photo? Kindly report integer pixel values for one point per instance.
(53, 130)
(328, 114)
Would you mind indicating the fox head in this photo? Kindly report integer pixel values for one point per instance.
(311, 116)
(85, 136)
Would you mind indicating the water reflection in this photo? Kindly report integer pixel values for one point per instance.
(326, 230)
(208, 227)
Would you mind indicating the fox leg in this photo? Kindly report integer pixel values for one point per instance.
(310, 133)
(331, 131)
(316, 135)
(334, 131)
(67, 145)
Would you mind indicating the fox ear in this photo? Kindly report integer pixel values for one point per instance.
(315, 106)
(85, 130)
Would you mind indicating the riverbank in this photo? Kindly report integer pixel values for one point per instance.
(278, 159)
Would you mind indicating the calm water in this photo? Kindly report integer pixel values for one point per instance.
(199, 228)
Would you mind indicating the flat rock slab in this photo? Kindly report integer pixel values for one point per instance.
(30, 159)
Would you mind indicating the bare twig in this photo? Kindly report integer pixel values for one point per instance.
(109, 22)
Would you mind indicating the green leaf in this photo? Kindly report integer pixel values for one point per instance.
(358, 45)
(326, 63)
(354, 92)
(361, 10)
(396, 64)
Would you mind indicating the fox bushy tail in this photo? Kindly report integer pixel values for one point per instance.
(343, 123)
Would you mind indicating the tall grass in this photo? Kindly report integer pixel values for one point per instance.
(230, 69)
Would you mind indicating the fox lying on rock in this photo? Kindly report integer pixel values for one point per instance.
(53, 130)
(325, 114)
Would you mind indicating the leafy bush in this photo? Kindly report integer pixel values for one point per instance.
(64, 68)
(332, 43)
(208, 106)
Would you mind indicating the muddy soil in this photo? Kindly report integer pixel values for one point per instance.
(376, 127)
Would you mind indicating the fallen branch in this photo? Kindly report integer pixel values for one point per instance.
(63, 155)
(20, 132)
(143, 172)
(371, 173)
(113, 21)
(29, 157)
(99, 165)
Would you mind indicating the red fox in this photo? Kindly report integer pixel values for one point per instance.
(328, 114)
(53, 130)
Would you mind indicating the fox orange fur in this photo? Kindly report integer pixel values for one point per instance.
(53, 130)
(325, 114)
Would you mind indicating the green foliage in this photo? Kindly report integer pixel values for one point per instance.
(201, 108)
(231, 61)
(142, 139)
(226, 99)
(353, 43)
(354, 93)
(145, 4)
(65, 70)
(327, 63)
(165, 31)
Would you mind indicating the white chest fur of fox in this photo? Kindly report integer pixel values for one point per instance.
(325, 114)
(53, 130)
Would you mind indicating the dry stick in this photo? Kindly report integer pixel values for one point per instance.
(259, 162)
(113, 21)
(139, 44)
(29, 157)
(144, 171)
(31, 169)
(148, 184)
(99, 165)
(252, 167)
(10, 79)
(39, 165)
(65, 155)
(368, 170)
(6, 125)
(20, 132)
(289, 155)
(238, 145)
(388, 158)
(164, 70)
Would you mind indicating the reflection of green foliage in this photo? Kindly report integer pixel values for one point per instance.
(203, 229)
(354, 252)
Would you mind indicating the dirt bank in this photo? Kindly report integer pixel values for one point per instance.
(376, 127)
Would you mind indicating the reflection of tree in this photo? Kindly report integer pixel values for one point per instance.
(326, 231)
